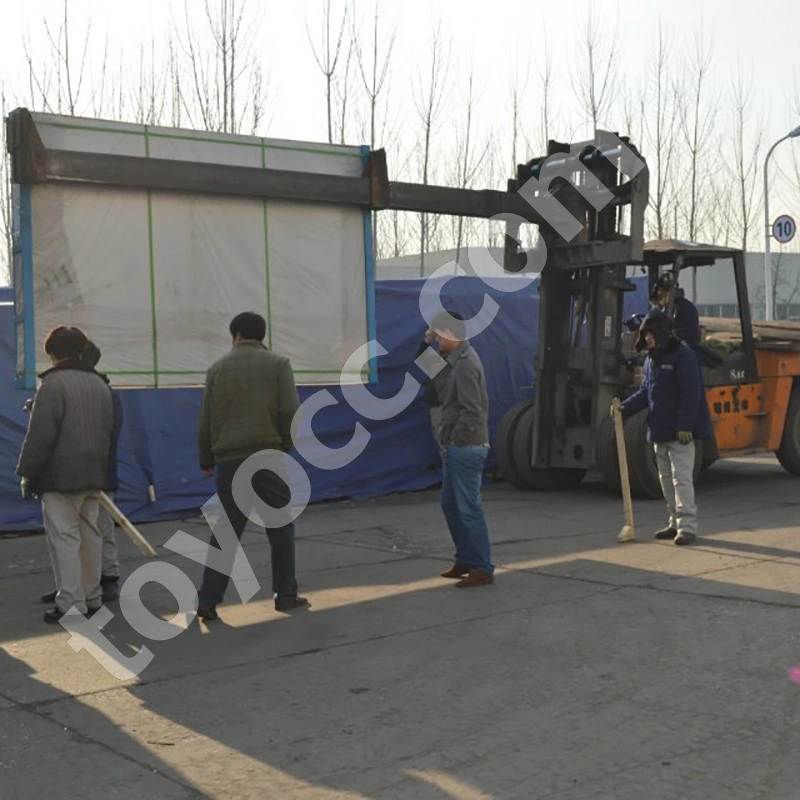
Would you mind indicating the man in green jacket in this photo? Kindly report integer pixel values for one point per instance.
(248, 405)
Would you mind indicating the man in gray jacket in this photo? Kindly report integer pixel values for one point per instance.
(464, 435)
(64, 460)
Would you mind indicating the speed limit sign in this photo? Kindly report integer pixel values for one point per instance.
(784, 229)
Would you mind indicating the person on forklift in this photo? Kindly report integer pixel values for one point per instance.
(684, 312)
(684, 316)
(673, 393)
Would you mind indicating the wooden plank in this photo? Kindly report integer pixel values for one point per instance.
(783, 329)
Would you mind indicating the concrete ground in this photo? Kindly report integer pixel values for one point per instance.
(588, 670)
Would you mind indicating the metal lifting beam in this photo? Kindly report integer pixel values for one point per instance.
(32, 163)
(372, 192)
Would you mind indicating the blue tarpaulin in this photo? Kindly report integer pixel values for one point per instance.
(157, 444)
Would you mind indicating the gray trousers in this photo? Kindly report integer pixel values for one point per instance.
(676, 473)
(75, 546)
(110, 554)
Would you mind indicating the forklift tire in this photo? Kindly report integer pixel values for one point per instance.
(539, 480)
(513, 448)
(504, 442)
(642, 466)
(642, 470)
(789, 451)
(606, 458)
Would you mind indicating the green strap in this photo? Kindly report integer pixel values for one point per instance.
(266, 248)
(151, 254)
(347, 152)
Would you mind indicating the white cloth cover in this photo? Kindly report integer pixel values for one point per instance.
(155, 277)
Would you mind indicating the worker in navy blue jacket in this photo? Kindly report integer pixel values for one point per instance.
(673, 393)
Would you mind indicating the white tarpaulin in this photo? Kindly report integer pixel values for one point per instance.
(155, 277)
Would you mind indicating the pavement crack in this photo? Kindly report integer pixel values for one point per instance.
(34, 710)
(664, 589)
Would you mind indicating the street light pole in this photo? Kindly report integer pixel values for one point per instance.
(769, 310)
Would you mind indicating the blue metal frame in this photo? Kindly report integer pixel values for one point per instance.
(28, 378)
(369, 269)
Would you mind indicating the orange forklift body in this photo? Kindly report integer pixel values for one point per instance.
(750, 418)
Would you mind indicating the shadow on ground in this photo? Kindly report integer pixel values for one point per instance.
(589, 670)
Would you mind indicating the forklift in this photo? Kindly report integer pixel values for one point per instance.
(753, 394)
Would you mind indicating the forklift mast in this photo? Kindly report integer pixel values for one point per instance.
(580, 366)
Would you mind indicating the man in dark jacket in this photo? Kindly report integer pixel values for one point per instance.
(248, 406)
(673, 392)
(109, 575)
(684, 311)
(464, 436)
(64, 460)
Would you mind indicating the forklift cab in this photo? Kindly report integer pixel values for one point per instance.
(725, 362)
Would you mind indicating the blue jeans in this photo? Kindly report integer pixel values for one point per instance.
(273, 491)
(462, 506)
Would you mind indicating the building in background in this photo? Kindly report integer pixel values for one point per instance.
(716, 287)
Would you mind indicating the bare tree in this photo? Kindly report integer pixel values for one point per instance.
(396, 234)
(720, 208)
(39, 76)
(662, 130)
(327, 54)
(5, 206)
(469, 155)
(494, 177)
(70, 77)
(594, 77)
(633, 111)
(546, 73)
(100, 87)
(57, 82)
(344, 84)
(226, 91)
(517, 91)
(149, 90)
(374, 58)
(697, 114)
(57, 78)
(428, 92)
(175, 83)
(374, 61)
(747, 157)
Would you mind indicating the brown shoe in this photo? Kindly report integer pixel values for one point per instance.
(456, 572)
(476, 577)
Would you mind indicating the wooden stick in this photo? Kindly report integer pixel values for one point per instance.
(130, 529)
(628, 532)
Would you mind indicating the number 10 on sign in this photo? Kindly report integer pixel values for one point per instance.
(784, 229)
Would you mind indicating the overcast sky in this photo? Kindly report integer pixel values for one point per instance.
(759, 38)
(764, 35)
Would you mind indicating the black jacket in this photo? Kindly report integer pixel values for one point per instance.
(67, 446)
